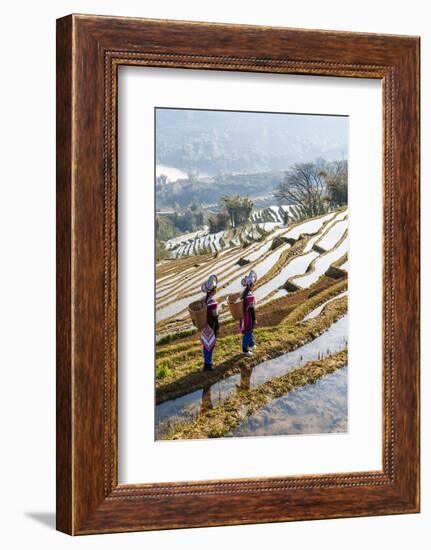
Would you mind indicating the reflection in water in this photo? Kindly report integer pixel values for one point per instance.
(187, 407)
(183, 409)
(245, 382)
(315, 312)
(206, 403)
(331, 341)
(313, 409)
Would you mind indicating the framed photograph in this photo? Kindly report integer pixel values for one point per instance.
(237, 274)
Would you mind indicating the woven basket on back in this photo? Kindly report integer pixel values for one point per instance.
(236, 306)
(198, 313)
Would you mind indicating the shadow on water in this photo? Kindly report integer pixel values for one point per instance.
(188, 407)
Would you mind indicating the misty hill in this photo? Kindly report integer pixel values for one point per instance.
(220, 142)
(209, 190)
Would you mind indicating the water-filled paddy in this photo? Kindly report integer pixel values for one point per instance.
(186, 408)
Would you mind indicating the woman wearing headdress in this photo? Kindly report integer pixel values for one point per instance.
(210, 332)
(248, 320)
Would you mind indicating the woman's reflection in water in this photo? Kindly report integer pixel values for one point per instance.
(244, 385)
(206, 403)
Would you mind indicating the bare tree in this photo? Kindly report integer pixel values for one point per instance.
(304, 186)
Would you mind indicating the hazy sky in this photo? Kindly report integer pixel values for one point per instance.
(232, 140)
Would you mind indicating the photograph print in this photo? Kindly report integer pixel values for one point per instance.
(251, 285)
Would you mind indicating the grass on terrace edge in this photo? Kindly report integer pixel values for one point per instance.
(218, 421)
(291, 253)
(235, 271)
(186, 367)
(175, 359)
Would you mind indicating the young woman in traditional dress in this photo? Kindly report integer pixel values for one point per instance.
(248, 320)
(210, 332)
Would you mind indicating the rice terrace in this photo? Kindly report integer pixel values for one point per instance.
(253, 216)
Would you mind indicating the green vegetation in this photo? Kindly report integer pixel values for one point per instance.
(167, 338)
(336, 181)
(163, 372)
(185, 361)
(281, 327)
(208, 191)
(314, 301)
(234, 212)
(165, 229)
(238, 209)
(176, 223)
(218, 222)
(224, 171)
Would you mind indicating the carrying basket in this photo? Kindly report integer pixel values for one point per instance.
(236, 306)
(198, 313)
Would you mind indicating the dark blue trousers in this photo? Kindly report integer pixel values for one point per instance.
(208, 356)
(247, 341)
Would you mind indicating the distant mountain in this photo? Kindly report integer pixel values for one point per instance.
(222, 142)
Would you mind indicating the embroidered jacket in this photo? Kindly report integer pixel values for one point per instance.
(248, 321)
(209, 333)
(212, 317)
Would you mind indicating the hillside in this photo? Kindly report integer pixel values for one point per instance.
(263, 222)
(208, 190)
(301, 337)
(291, 257)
